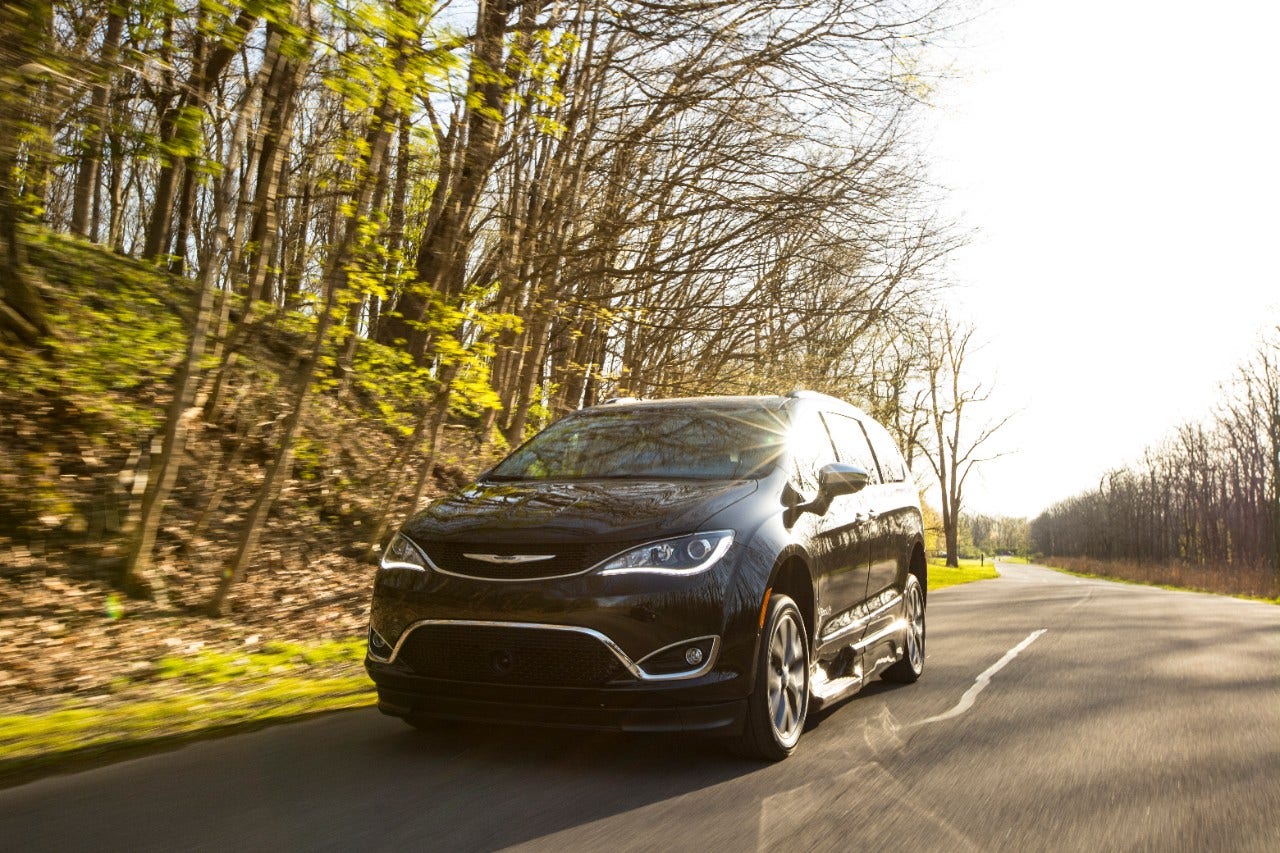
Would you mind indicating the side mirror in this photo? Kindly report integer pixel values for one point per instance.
(841, 478)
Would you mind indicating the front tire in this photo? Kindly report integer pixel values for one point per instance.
(779, 703)
(911, 667)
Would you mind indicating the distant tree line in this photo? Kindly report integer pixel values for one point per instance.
(978, 534)
(1206, 496)
(998, 535)
(525, 207)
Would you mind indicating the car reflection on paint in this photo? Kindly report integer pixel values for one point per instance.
(719, 564)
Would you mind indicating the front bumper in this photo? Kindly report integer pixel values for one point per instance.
(691, 708)
(551, 675)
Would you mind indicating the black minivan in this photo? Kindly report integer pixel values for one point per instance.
(717, 564)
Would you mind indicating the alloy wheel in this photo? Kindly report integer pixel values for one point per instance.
(788, 679)
(915, 628)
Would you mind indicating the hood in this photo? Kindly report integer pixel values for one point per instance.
(565, 511)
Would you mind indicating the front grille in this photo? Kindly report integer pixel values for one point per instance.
(500, 655)
(569, 558)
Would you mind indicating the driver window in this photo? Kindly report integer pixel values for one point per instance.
(810, 450)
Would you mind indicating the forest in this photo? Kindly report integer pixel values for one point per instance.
(334, 254)
(1199, 509)
(339, 253)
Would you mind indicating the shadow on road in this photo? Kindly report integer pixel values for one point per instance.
(359, 780)
(518, 784)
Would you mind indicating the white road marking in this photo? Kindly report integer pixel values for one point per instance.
(966, 701)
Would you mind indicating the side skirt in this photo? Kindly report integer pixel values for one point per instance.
(844, 675)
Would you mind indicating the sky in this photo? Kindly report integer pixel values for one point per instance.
(1119, 165)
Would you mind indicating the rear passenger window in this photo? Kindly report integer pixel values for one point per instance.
(891, 463)
(851, 443)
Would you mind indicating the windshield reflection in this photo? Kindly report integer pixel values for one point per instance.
(651, 443)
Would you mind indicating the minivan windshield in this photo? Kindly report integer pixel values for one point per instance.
(651, 443)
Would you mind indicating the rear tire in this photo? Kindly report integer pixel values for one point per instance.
(911, 667)
(779, 703)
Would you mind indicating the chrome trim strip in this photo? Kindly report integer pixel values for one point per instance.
(510, 559)
(436, 568)
(622, 657)
(893, 627)
(827, 690)
(477, 623)
(861, 623)
(369, 646)
(507, 580)
(702, 670)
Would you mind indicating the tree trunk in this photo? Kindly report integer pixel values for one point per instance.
(115, 194)
(282, 76)
(574, 380)
(444, 245)
(22, 312)
(159, 235)
(186, 209)
(334, 278)
(530, 372)
(278, 105)
(952, 535)
(395, 227)
(138, 577)
(156, 242)
(89, 172)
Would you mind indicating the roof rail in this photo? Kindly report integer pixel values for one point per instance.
(614, 400)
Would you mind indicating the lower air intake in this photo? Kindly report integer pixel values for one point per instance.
(502, 655)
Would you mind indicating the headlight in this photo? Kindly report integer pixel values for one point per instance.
(682, 555)
(403, 554)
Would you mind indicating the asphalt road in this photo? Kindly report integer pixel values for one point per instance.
(1137, 719)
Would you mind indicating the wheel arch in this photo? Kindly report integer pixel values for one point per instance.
(793, 578)
(919, 566)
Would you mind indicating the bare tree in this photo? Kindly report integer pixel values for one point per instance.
(1206, 496)
(564, 202)
(137, 576)
(370, 173)
(955, 443)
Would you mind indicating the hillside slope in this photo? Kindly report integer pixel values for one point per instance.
(77, 425)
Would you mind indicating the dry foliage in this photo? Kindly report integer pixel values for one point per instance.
(1233, 580)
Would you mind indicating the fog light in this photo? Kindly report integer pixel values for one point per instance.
(683, 659)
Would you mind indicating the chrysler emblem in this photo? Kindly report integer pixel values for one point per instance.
(510, 558)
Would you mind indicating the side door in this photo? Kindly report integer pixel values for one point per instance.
(832, 539)
(898, 510)
(853, 447)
